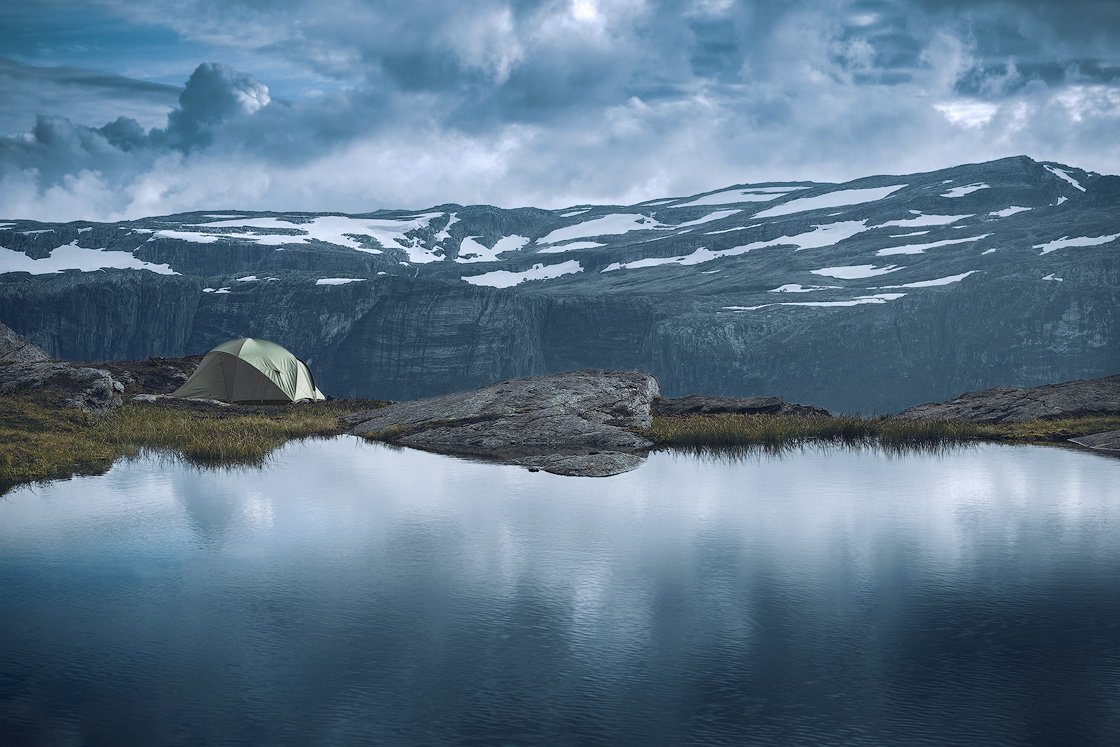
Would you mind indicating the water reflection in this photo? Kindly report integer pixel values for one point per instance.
(354, 593)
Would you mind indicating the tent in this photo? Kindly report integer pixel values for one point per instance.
(249, 370)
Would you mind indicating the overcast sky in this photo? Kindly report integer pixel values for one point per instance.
(115, 109)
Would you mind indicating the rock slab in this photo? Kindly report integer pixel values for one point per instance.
(588, 423)
(1009, 404)
(90, 389)
(1107, 441)
(698, 404)
(17, 349)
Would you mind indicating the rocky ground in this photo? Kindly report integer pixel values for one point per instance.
(1020, 404)
(697, 404)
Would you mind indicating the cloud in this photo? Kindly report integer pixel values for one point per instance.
(553, 102)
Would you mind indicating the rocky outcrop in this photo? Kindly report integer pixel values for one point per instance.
(89, 389)
(587, 423)
(153, 376)
(1018, 404)
(17, 349)
(698, 404)
(1107, 441)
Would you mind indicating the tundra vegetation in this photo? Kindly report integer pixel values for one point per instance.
(40, 439)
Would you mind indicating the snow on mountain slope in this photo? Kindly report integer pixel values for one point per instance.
(1005, 209)
(1065, 241)
(507, 279)
(73, 257)
(838, 198)
(606, 225)
(732, 196)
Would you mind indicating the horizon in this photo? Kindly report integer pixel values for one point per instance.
(416, 209)
(121, 110)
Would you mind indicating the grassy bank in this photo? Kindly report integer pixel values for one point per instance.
(39, 439)
(714, 431)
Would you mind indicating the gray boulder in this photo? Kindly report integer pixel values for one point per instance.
(89, 389)
(697, 404)
(580, 423)
(1008, 404)
(17, 349)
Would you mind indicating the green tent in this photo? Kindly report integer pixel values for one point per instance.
(249, 370)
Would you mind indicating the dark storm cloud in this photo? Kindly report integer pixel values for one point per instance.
(554, 101)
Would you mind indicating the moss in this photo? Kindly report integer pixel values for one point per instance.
(39, 439)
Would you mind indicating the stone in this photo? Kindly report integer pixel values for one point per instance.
(17, 349)
(579, 423)
(697, 404)
(89, 389)
(1018, 404)
(1107, 441)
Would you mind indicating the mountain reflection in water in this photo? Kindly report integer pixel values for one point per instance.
(353, 593)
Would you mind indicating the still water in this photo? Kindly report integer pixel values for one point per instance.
(351, 593)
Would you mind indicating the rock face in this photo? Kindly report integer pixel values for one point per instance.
(90, 389)
(1107, 441)
(16, 349)
(579, 423)
(1018, 404)
(698, 404)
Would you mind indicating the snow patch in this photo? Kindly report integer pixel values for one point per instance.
(904, 235)
(1065, 241)
(1008, 211)
(507, 279)
(472, 251)
(390, 233)
(749, 194)
(569, 247)
(855, 272)
(857, 301)
(444, 233)
(988, 251)
(797, 288)
(966, 190)
(247, 279)
(1061, 199)
(607, 225)
(921, 248)
(1051, 277)
(717, 215)
(932, 283)
(839, 198)
(337, 281)
(924, 220)
(823, 235)
(574, 213)
(1064, 176)
(74, 257)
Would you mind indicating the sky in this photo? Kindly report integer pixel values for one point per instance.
(115, 109)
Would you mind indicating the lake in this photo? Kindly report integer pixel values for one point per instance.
(353, 593)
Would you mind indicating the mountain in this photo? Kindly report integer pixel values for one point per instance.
(865, 296)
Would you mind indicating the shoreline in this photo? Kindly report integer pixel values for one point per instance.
(41, 441)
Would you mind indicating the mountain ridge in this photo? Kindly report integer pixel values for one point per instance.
(868, 295)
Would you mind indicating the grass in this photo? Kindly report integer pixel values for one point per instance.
(774, 431)
(40, 440)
